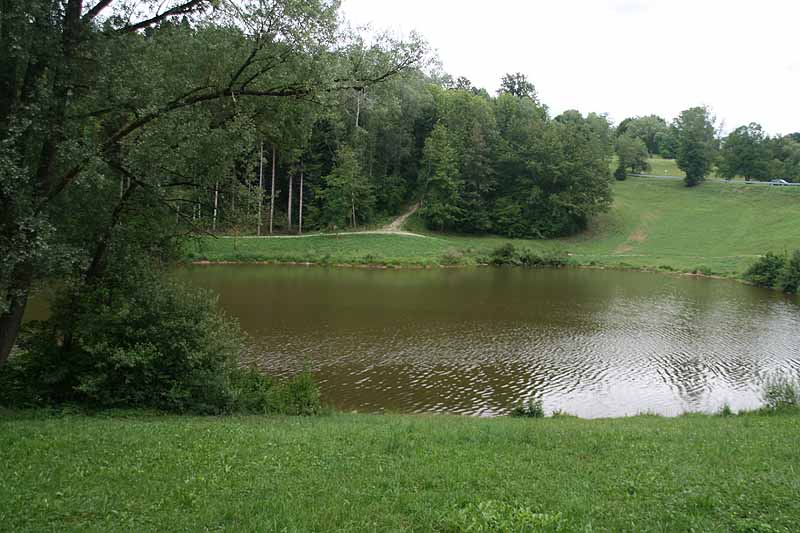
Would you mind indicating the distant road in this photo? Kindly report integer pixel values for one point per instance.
(719, 180)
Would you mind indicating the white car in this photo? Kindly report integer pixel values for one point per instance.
(779, 182)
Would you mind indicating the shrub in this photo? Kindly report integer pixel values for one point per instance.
(766, 271)
(620, 174)
(255, 393)
(532, 408)
(142, 342)
(451, 257)
(703, 270)
(780, 392)
(725, 410)
(298, 396)
(551, 259)
(789, 279)
(505, 255)
(251, 391)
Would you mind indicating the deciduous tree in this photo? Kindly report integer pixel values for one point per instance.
(745, 153)
(697, 143)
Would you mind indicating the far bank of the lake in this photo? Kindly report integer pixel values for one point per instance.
(398, 473)
(715, 229)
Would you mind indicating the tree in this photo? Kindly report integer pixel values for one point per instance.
(650, 130)
(667, 143)
(632, 153)
(745, 153)
(85, 89)
(470, 121)
(555, 174)
(697, 143)
(346, 194)
(784, 153)
(517, 84)
(440, 175)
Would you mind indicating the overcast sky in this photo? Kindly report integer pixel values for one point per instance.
(621, 57)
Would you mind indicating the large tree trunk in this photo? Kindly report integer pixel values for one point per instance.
(11, 320)
(21, 279)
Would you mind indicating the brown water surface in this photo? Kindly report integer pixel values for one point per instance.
(477, 341)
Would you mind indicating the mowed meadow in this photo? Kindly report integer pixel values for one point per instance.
(398, 473)
(717, 228)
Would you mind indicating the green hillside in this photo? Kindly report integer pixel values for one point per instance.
(655, 223)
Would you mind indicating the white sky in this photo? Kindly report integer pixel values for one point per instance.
(621, 57)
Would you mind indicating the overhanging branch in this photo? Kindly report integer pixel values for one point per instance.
(181, 9)
(98, 7)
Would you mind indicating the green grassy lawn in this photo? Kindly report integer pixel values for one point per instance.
(398, 473)
(717, 228)
(659, 167)
(664, 167)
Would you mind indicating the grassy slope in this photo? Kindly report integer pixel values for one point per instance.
(664, 167)
(654, 223)
(381, 473)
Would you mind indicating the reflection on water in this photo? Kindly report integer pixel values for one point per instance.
(477, 341)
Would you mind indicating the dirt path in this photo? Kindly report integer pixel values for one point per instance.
(393, 228)
(397, 223)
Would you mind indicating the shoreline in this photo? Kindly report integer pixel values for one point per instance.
(413, 267)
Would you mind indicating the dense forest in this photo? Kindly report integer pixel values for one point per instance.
(128, 126)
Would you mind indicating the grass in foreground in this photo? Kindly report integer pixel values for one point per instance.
(715, 228)
(395, 473)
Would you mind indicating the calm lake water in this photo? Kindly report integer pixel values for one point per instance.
(477, 341)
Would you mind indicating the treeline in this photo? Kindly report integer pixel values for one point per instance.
(475, 162)
(692, 140)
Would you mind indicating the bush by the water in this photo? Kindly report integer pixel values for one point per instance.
(138, 341)
(776, 271)
(781, 392)
(509, 255)
(789, 280)
(533, 408)
(766, 271)
(255, 393)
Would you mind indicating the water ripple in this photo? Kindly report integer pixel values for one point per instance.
(478, 342)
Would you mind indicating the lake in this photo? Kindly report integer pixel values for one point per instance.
(477, 341)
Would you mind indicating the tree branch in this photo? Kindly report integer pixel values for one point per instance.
(181, 9)
(288, 91)
(98, 7)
